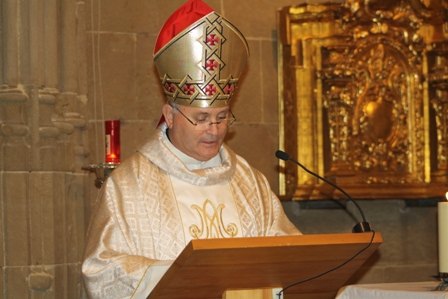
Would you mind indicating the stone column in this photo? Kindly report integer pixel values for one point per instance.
(42, 137)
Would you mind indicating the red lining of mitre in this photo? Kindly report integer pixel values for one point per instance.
(187, 14)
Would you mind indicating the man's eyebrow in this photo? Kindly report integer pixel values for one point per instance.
(208, 113)
(201, 113)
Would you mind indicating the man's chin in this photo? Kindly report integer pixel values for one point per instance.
(208, 154)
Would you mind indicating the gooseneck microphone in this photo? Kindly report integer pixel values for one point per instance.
(360, 227)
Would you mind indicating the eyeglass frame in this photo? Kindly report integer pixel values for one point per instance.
(231, 120)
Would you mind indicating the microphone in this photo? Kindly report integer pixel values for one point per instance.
(360, 227)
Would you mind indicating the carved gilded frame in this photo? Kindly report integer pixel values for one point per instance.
(363, 95)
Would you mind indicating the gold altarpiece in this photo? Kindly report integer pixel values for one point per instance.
(363, 94)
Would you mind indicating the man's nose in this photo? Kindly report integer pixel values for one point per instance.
(213, 127)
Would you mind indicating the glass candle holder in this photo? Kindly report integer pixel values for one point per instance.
(112, 128)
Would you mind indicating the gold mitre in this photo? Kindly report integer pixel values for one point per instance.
(201, 64)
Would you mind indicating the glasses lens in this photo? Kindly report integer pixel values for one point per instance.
(221, 123)
(204, 124)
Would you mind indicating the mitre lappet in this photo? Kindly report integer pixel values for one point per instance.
(199, 56)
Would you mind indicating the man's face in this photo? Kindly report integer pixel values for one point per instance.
(201, 142)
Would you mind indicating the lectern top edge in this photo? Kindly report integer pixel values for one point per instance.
(273, 241)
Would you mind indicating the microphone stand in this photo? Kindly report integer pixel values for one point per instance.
(360, 227)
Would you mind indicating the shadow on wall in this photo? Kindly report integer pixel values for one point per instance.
(409, 229)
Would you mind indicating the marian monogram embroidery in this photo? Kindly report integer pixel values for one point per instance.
(212, 225)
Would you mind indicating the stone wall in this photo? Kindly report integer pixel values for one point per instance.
(68, 66)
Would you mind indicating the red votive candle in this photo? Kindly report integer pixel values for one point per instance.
(112, 141)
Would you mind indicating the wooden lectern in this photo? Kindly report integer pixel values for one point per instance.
(209, 269)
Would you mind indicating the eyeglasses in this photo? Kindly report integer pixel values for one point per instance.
(203, 124)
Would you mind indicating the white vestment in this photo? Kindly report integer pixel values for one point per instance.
(156, 201)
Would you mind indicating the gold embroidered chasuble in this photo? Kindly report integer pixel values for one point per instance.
(152, 205)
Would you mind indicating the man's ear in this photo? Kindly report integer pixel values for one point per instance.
(168, 114)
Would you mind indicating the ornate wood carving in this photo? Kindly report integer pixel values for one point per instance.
(364, 99)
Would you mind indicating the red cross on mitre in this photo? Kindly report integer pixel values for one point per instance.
(229, 88)
(211, 64)
(210, 89)
(188, 89)
(170, 87)
(212, 39)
